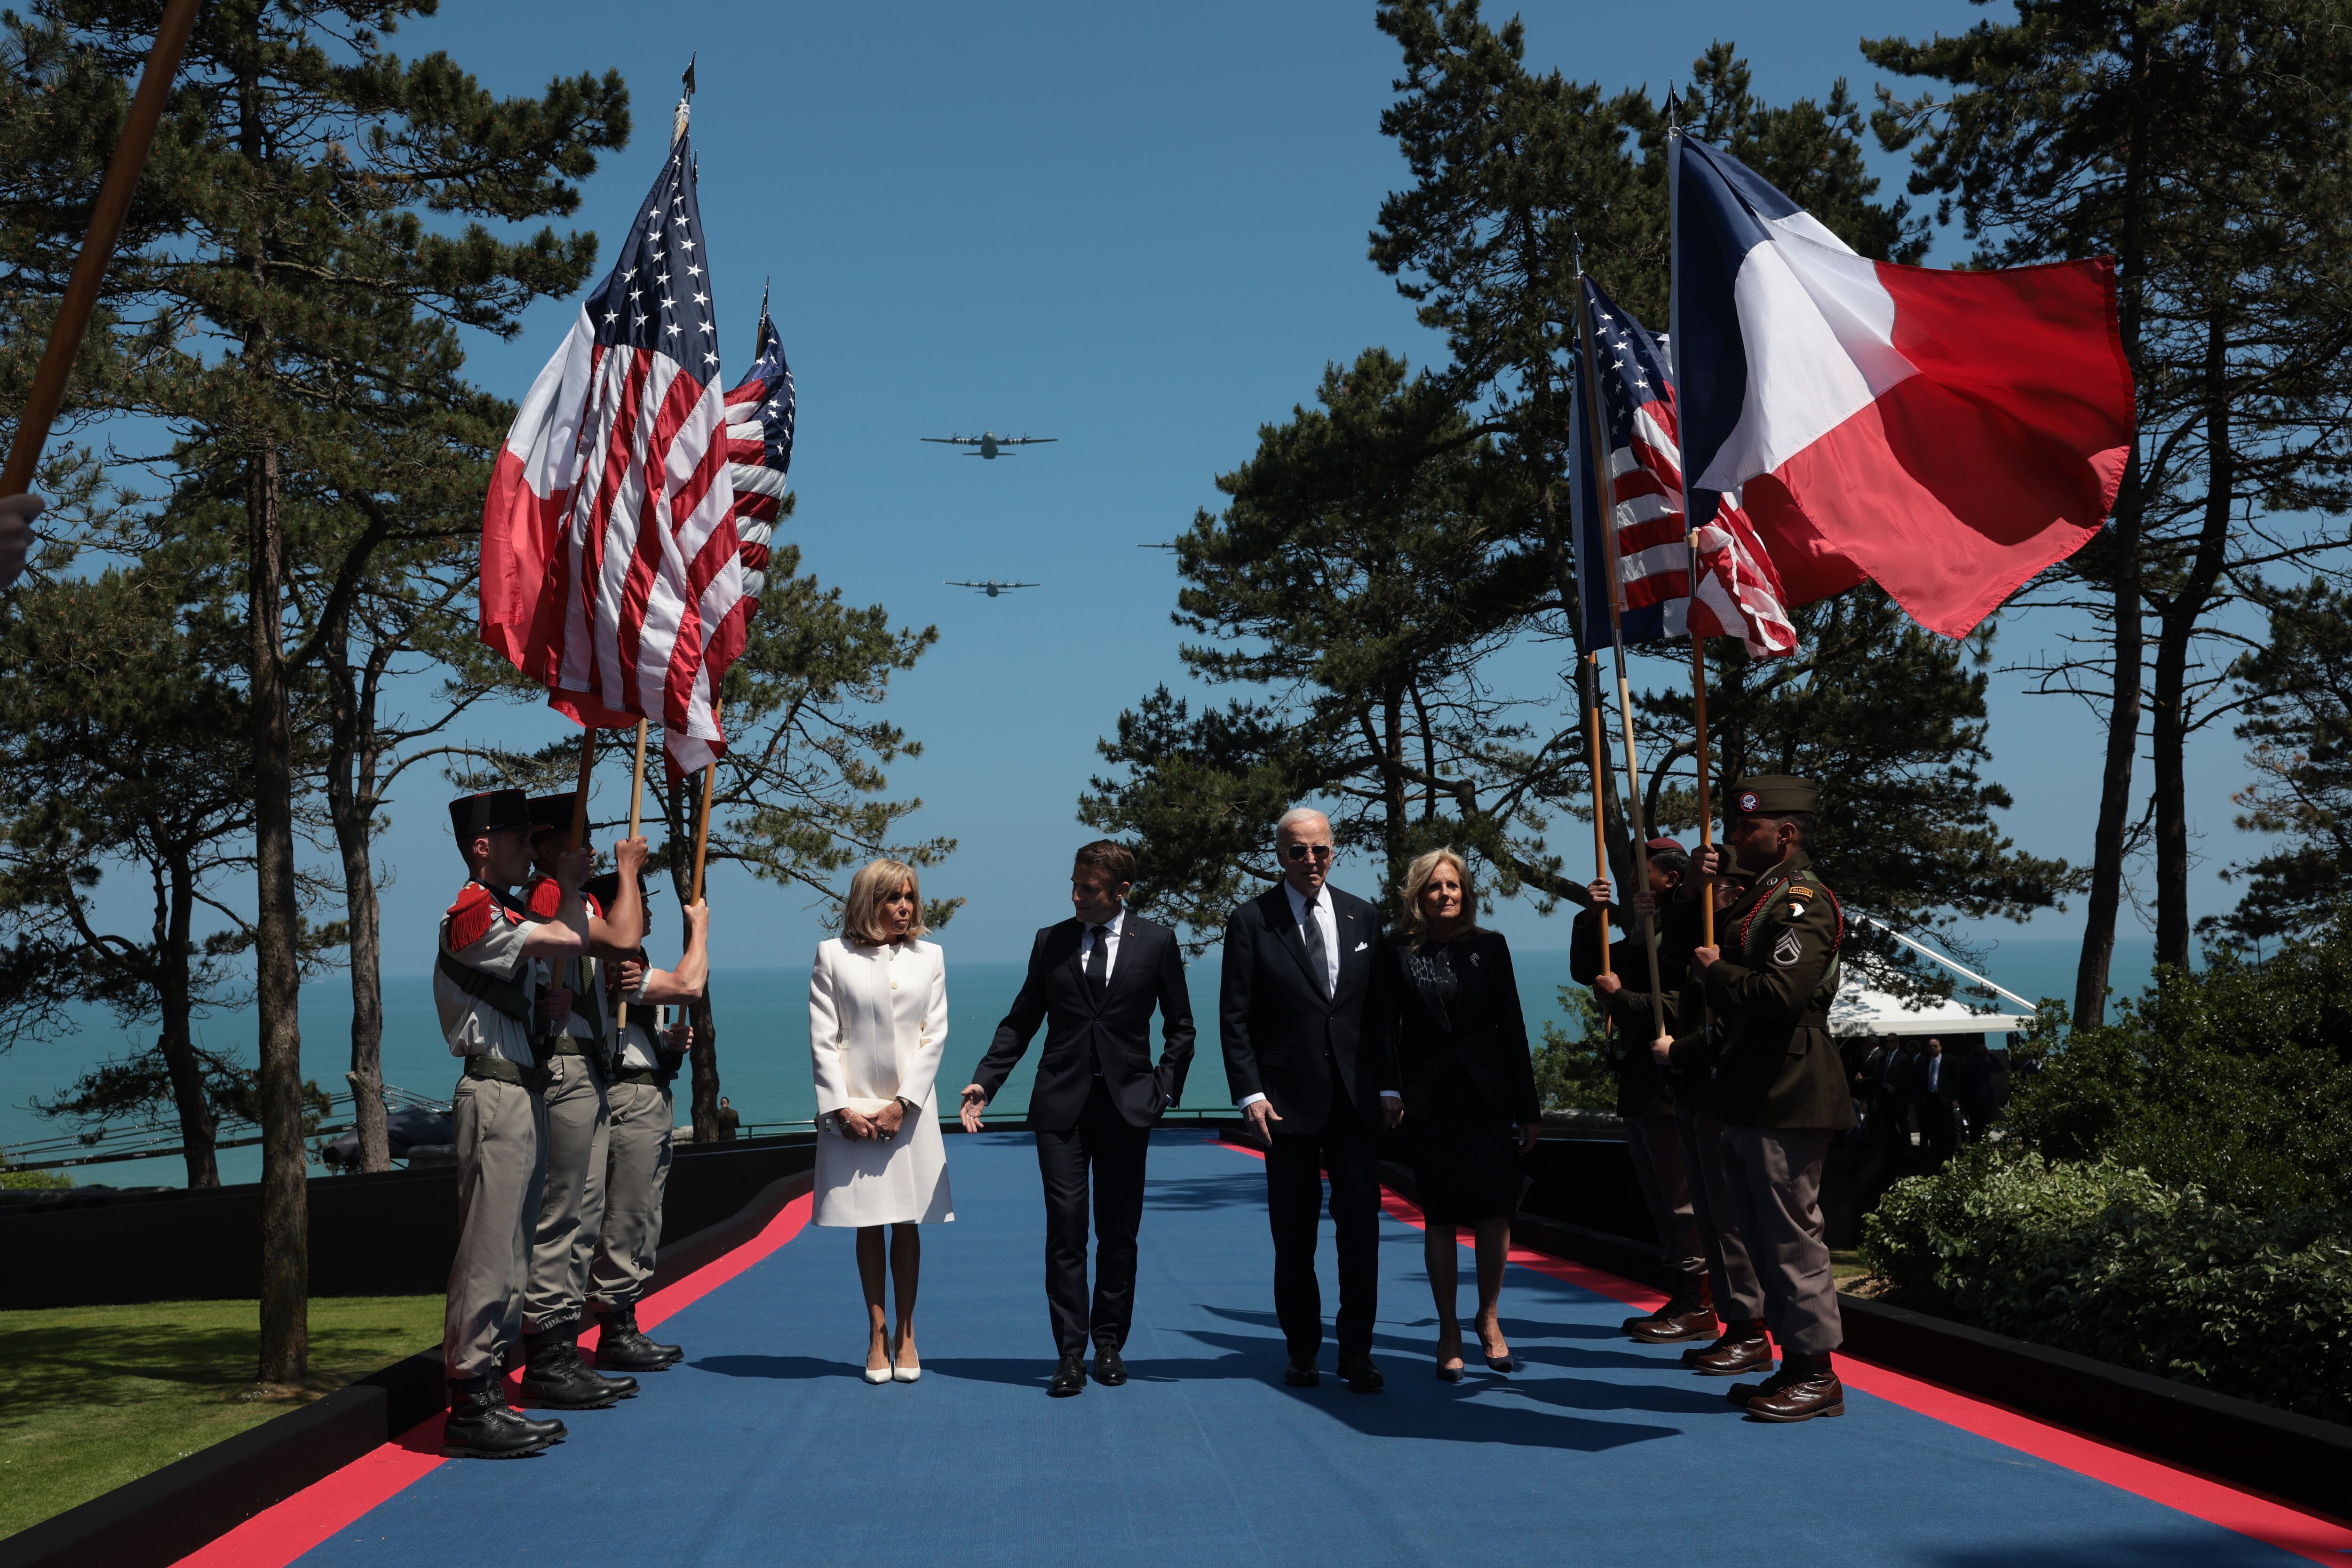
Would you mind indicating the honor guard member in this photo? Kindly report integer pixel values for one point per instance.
(1646, 1103)
(485, 984)
(572, 1205)
(638, 1151)
(1780, 1086)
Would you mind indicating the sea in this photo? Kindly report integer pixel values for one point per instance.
(762, 1049)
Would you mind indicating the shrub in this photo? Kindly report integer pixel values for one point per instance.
(2101, 1259)
(33, 1180)
(1571, 1072)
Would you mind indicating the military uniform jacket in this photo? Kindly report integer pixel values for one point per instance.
(1770, 992)
(485, 932)
(591, 1022)
(1641, 1087)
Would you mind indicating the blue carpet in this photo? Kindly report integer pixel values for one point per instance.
(766, 1447)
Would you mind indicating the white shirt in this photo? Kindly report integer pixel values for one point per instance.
(1328, 924)
(1112, 927)
(1324, 922)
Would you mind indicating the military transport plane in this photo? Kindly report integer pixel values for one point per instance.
(991, 444)
(993, 587)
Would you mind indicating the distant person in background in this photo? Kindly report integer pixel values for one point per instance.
(1316, 1085)
(17, 515)
(729, 1123)
(1449, 999)
(1936, 1097)
(637, 1140)
(877, 1023)
(1093, 980)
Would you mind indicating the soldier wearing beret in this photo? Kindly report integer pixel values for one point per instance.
(636, 1168)
(484, 989)
(572, 1203)
(1780, 1086)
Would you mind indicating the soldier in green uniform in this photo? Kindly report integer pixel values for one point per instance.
(1779, 1086)
(1645, 1102)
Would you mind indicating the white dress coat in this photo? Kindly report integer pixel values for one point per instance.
(877, 1021)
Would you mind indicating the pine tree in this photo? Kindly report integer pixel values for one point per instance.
(283, 304)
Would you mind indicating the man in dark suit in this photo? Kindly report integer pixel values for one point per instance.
(1093, 980)
(1316, 1086)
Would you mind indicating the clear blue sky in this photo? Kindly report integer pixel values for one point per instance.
(1141, 230)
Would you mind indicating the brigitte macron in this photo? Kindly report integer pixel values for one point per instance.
(877, 1019)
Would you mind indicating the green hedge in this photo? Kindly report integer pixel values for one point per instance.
(2102, 1259)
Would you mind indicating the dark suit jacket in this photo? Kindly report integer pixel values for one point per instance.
(1082, 1028)
(1277, 1030)
(1483, 1030)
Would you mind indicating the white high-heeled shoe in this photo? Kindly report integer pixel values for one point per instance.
(905, 1374)
(877, 1375)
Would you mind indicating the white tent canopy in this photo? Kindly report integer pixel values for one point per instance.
(1859, 1010)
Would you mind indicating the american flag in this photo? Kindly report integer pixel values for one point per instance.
(619, 462)
(1738, 595)
(760, 413)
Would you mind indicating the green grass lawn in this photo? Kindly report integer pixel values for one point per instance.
(91, 1398)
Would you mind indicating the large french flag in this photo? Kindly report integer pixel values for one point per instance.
(1946, 434)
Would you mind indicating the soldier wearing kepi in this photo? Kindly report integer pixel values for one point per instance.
(637, 1167)
(572, 1205)
(485, 986)
(1779, 1086)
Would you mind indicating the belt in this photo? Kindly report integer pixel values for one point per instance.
(643, 1075)
(500, 1070)
(568, 1045)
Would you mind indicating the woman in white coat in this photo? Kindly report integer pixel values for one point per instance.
(877, 1019)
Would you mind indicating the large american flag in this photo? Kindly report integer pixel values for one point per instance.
(614, 489)
(1738, 593)
(760, 413)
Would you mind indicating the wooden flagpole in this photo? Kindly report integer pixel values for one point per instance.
(636, 820)
(106, 217)
(580, 792)
(1690, 523)
(1604, 489)
(1598, 755)
(702, 825)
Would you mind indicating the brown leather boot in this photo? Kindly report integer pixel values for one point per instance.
(1811, 1389)
(1689, 1314)
(1734, 1328)
(1731, 1357)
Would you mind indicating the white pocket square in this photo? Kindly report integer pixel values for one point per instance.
(1361, 945)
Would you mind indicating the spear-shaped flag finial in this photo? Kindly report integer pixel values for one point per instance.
(685, 100)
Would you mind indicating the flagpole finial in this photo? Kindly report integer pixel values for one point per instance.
(1674, 119)
(685, 100)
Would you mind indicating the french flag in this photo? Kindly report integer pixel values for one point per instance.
(1945, 435)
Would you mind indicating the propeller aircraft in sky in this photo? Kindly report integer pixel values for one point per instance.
(993, 587)
(991, 444)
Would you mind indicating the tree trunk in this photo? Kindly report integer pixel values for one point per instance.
(363, 913)
(285, 1208)
(1396, 809)
(703, 1058)
(198, 1127)
(682, 802)
(2176, 629)
(2092, 973)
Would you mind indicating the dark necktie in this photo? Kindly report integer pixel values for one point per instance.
(1098, 960)
(1318, 956)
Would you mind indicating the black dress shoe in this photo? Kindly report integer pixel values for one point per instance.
(1300, 1374)
(1110, 1371)
(1361, 1375)
(1070, 1377)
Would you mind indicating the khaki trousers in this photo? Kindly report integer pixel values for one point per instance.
(1731, 1273)
(572, 1210)
(637, 1170)
(1659, 1167)
(501, 1137)
(1776, 1184)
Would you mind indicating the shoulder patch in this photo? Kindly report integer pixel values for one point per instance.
(471, 916)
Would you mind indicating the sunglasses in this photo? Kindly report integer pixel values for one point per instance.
(1304, 851)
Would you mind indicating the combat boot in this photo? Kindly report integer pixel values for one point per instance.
(1688, 1314)
(554, 1377)
(481, 1426)
(1742, 1348)
(1810, 1389)
(620, 1343)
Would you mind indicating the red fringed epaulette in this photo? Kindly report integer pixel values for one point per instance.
(546, 896)
(470, 917)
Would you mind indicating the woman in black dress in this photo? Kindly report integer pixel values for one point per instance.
(1469, 1088)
